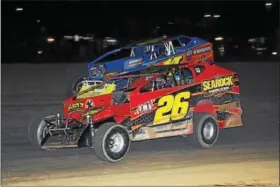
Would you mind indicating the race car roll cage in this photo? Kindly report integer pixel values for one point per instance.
(154, 50)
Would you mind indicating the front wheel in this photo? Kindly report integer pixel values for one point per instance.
(111, 142)
(38, 131)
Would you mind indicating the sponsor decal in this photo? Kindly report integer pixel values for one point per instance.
(135, 62)
(202, 50)
(89, 104)
(75, 107)
(172, 61)
(219, 84)
(145, 107)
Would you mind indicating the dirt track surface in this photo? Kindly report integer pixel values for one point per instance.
(242, 156)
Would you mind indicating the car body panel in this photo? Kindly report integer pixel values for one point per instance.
(150, 114)
(155, 52)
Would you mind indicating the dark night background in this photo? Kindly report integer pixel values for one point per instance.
(250, 29)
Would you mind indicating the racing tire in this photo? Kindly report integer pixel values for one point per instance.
(111, 142)
(71, 88)
(37, 133)
(205, 130)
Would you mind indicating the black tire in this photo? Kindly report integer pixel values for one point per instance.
(71, 88)
(101, 142)
(37, 131)
(198, 139)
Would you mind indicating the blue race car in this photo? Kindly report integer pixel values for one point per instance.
(178, 50)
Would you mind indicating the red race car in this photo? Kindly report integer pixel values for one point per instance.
(194, 100)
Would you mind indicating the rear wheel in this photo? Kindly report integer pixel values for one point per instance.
(111, 142)
(205, 130)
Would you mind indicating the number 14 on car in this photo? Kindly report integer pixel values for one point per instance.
(172, 108)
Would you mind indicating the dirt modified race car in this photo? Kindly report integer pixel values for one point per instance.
(144, 54)
(191, 101)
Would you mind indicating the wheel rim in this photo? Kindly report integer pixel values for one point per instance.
(208, 131)
(116, 143)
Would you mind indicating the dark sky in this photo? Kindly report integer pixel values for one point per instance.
(68, 17)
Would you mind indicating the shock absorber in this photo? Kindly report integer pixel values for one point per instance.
(91, 127)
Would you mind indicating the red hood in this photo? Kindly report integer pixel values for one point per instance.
(75, 108)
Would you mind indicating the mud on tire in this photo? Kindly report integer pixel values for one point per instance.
(205, 131)
(111, 142)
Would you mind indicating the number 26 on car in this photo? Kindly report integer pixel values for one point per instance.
(172, 108)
